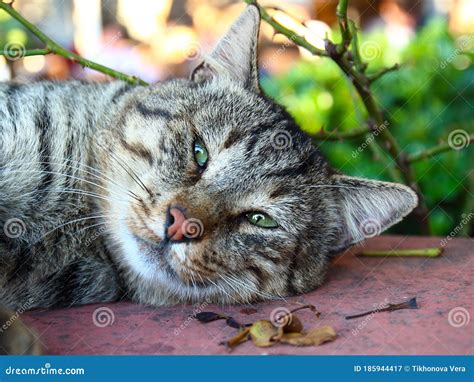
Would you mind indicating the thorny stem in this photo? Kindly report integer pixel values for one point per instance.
(441, 148)
(335, 136)
(360, 66)
(53, 47)
(375, 76)
(341, 13)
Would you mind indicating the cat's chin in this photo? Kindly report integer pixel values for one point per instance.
(153, 261)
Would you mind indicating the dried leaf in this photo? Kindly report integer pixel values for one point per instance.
(291, 335)
(233, 323)
(206, 317)
(238, 339)
(313, 337)
(293, 325)
(263, 333)
(308, 306)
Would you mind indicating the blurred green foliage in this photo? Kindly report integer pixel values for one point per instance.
(430, 96)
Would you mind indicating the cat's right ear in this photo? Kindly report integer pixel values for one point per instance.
(368, 207)
(235, 55)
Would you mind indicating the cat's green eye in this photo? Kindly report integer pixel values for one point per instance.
(200, 154)
(261, 219)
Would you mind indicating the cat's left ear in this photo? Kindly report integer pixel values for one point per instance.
(235, 55)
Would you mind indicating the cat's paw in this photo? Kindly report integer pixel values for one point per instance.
(15, 337)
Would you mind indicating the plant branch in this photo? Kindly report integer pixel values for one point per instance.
(341, 13)
(360, 66)
(439, 149)
(335, 136)
(16, 53)
(53, 47)
(346, 56)
(298, 40)
(375, 76)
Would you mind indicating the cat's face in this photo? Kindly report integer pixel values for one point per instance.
(228, 201)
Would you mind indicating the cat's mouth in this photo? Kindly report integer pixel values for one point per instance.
(169, 256)
(153, 249)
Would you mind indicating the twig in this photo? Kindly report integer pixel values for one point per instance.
(360, 66)
(30, 52)
(410, 304)
(335, 136)
(375, 76)
(298, 40)
(441, 148)
(53, 47)
(424, 252)
(341, 13)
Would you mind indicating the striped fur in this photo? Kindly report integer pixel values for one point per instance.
(88, 171)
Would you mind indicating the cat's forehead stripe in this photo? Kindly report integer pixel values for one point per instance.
(156, 112)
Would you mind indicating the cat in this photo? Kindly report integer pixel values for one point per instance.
(184, 191)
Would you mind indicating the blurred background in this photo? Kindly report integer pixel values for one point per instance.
(429, 97)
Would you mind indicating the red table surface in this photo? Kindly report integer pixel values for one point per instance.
(442, 286)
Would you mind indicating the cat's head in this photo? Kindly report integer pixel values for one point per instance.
(228, 200)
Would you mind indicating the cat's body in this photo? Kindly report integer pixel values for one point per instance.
(46, 134)
(98, 175)
(55, 175)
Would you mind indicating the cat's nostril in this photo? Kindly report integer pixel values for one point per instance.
(176, 220)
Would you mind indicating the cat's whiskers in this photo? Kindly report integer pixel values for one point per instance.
(77, 192)
(70, 222)
(65, 175)
(102, 176)
(220, 288)
(251, 287)
(88, 193)
(129, 171)
(235, 288)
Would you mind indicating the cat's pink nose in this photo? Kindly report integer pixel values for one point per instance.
(176, 219)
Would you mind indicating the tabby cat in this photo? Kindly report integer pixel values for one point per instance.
(183, 191)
